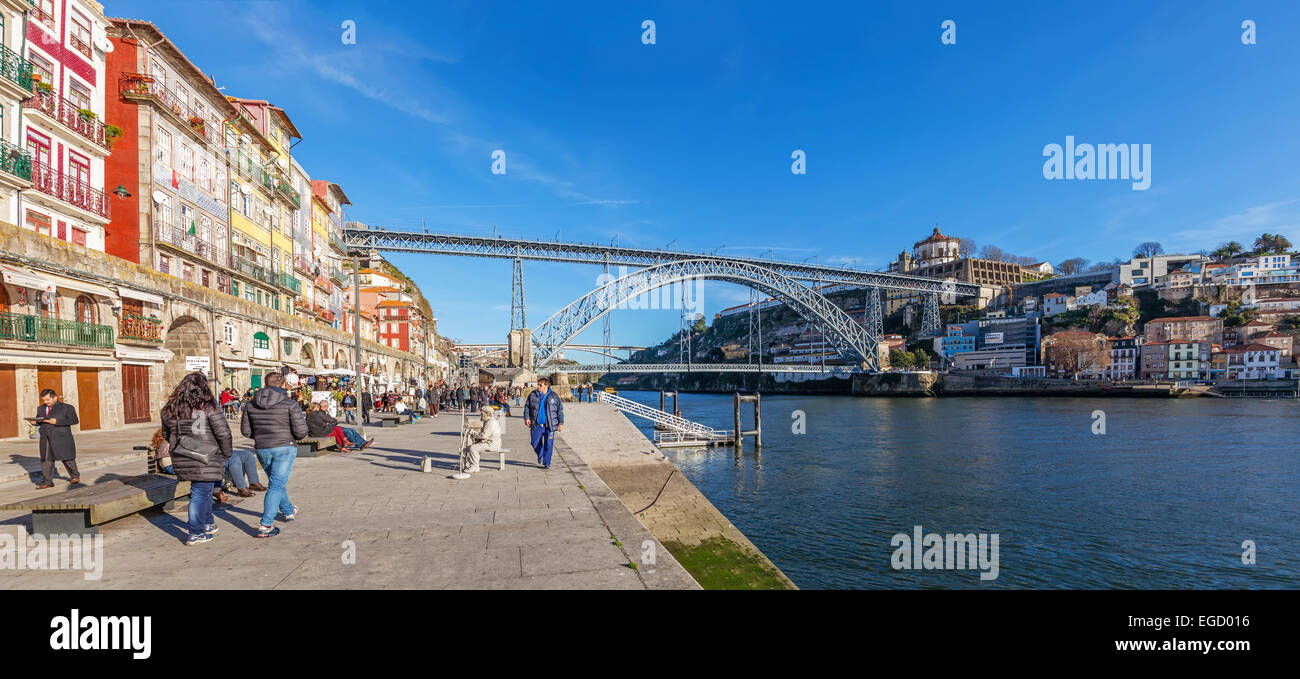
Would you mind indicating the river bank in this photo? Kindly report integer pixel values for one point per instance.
(681, 518)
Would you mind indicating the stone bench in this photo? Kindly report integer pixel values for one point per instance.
(81, 510)
(313, 446)
(384, 420)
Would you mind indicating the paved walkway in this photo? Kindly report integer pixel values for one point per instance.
(521, 527)
(21, 458)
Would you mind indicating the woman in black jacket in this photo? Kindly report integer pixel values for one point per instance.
(192, 422)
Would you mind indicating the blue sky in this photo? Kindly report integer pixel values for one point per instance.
(690, 139)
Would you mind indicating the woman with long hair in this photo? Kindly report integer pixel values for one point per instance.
(198, 438)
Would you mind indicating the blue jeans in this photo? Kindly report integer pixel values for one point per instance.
(349, 415)
(353, 436)
(277, 462)
(200, 507)
(242, 466)
(543, 439)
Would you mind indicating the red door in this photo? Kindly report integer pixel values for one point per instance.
(135, 393)
(8, 406)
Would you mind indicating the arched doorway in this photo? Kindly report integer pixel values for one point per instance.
(308, 355)
(187, 337)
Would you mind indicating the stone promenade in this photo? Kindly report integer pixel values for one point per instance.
(518, 528)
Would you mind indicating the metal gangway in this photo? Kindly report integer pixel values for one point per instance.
(683, 432)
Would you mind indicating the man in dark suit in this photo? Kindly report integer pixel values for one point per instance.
(54, 421)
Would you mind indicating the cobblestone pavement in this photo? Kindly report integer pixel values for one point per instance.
(517, 528)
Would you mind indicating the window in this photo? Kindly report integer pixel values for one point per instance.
(187, 161)
(164, 154)
(206, 280)
(41, 68)
(79, 167)
(78, 94)
(218, 183)
(234, 288)
(188, 275)
(85, 310)
(205, 176)
(38, 222)
(261, 341)
(39, 145)
(79, 33)
(45, 12)
(79, 236)
(223, 283)
(165, 264)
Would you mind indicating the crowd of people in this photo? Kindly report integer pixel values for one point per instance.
(195, 440)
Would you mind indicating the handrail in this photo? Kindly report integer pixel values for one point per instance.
(680, 424)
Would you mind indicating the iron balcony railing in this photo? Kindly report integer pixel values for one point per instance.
(135, 326)
(41, 330)
(254, 270)
(183, 240)
(305, 265)
(338, 243)
(336, 275)
(288, 282)
(286, 190)
(139, 86)
(69, 189)
(15, 161)
(69, 114)
(41, 15)
(15, 68)
(79, 45)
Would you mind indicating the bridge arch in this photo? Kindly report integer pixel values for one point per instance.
(849, 338)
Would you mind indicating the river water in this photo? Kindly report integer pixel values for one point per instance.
(1165, 498)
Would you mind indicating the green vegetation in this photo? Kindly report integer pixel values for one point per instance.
(1234, 315)
(719, 563)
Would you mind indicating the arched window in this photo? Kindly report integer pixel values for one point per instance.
(261, 341)
(85, 310)
(229, 334)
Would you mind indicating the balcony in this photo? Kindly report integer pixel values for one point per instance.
(288, 282)
(286, 191)
(323, 284)
(338, 243)
(41, 330)
(15, 72)
(139, 87)
(305, 265)
(182, 240)
(254, 270)
(40, 15)
(337, 275)
(79, 45)
(69, 190)
(15, 161)
(136, 327)
(69, 114)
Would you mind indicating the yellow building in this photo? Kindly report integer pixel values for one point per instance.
(276, 199)
(252, 196)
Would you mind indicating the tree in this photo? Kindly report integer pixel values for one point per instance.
(966, 247)
(1148, 250)
(1076, 353)
(1270, 243)
(921, 358)
(992, 252)
(901, 359)
(1228, 250)
(1071, 266)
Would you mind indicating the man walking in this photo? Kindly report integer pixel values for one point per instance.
(275, 423)
(54, 421)
(367, 402)
(544, 415)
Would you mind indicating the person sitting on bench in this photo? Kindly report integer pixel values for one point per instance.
(399, 407)
(486, 440)
(319, 423)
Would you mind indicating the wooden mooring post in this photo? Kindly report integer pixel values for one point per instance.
(757, 431)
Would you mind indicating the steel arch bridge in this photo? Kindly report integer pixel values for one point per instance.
(855, 344)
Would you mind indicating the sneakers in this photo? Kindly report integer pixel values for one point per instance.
(211, 528)
(265, 532)
(291, 515)
(196, 539)
(367, 443)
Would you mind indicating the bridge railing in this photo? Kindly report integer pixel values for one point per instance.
(680, 424)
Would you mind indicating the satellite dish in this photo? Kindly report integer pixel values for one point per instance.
(159, 197)
(244, 189)
(104, 44)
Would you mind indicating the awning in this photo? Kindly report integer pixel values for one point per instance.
(288, 334)
(238, 365)
(302, 369)
(23, 278)
(80, 286)
(20, 357)
(142, 296)
(143, 354)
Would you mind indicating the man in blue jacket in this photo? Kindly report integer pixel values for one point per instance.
(544, 415)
